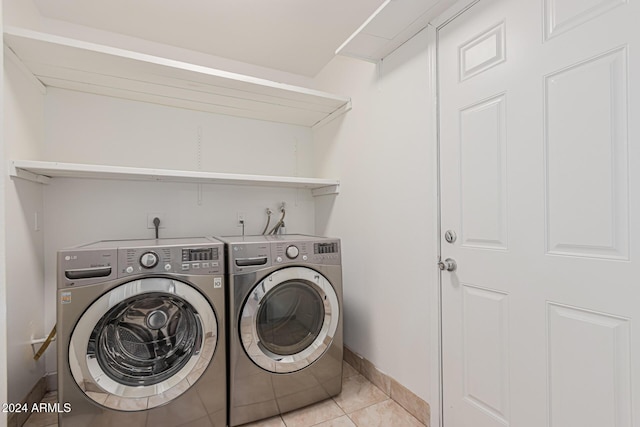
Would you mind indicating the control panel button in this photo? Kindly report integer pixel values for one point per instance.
(129, 270)
(205, 265)
(195, 265)
(185, 267)
(149, 259)
(292, 252)
(167, 267)
(304, 257)
(279, 259)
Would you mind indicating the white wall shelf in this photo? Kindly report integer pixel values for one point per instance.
(43, 172)
(87, 67)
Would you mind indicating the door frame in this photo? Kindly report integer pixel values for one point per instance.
(437, 384)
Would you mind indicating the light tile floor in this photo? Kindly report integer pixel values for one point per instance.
(361, 404)
(44, 419)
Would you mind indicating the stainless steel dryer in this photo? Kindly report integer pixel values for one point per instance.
(285, 323)
(141, 333)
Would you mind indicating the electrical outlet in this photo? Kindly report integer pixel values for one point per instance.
(241, 219)
(152, 215)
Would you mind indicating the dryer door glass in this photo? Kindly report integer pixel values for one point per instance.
(143, 342)
(290, 317)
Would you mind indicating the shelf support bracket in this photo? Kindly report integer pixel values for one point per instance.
(335, 114)
(29, 176)
(326, 191)
(10, 54)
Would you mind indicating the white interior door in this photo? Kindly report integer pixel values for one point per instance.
(540, 163)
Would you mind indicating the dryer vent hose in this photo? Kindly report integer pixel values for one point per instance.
(45, 344)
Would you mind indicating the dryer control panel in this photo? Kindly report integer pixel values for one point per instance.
(247, 254)
(314, 252)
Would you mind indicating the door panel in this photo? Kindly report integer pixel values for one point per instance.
(483, 174)
(538, 123)
(486, 358)
(563, 15)
(482, 52)
(588, 351)
(586, 158)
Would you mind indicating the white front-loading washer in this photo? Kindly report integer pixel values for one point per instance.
(285, 323)
(141, 333)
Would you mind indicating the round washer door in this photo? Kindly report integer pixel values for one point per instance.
(289, 319)
(143, 343)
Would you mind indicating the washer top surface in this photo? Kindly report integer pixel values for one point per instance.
(144, 243)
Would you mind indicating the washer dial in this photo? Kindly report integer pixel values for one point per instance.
(149, 259)
(292, 252)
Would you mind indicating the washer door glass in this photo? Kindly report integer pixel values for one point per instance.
(289, 319)
(141, 340)
(146, 339)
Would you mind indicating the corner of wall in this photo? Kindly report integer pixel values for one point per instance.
(413, 404)
(3, 280)
(22, 136)
(384, 156)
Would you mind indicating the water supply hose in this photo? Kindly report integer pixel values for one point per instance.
(45, 344)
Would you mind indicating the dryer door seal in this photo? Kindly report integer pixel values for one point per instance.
(143, 344)
(289, 319)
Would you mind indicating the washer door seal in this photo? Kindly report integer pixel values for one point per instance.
(143, 343)
(289, 319)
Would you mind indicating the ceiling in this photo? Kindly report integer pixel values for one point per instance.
(297, 36)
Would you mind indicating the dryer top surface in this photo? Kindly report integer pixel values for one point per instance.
(271, 238)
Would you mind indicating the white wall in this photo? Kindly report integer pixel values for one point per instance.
(87, 128)
(385, 213)
(23, 133)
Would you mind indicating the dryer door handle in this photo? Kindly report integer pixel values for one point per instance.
(246, 262)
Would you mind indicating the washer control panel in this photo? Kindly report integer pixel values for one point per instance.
(171, 259)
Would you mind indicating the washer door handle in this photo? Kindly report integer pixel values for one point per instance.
(87, 273)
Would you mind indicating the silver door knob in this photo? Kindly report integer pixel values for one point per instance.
(448, 264)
